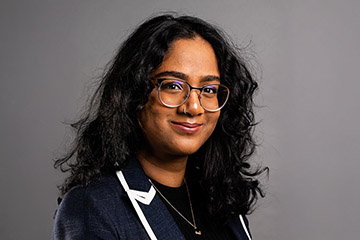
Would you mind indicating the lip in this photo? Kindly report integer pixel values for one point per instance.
(187, 127)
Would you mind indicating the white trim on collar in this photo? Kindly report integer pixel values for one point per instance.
(244, 226)
(144, 197)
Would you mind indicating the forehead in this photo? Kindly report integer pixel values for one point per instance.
(194, 58)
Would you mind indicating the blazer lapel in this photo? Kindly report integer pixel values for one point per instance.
(156, 213)
(239, 226)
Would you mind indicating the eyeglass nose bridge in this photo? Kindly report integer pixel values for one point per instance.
(189, 92)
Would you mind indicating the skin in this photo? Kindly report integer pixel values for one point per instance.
(169, 140)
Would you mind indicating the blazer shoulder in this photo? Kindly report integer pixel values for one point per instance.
(88, 210)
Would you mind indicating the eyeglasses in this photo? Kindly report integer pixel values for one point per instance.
(175, 92)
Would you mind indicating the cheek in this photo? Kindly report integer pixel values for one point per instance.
(213, 119)
(146, 119)
(152, 117)
(146, 114)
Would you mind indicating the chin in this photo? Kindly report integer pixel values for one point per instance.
(187, 149)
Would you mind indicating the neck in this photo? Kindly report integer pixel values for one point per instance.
(169, 170)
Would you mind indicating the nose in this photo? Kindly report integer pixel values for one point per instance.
(192, 105)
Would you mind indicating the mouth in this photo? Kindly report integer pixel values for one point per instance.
(186, 127)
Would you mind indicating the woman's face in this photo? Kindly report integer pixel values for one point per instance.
(169, 131)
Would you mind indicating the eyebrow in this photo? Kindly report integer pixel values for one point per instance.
(173, 74)
(208, 78)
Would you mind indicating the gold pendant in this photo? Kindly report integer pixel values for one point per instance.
(198, 232)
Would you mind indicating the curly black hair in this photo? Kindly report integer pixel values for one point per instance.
(109, 133)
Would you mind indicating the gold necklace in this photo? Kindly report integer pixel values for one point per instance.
(197, 232)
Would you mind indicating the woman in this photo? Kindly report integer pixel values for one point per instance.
(163, 151)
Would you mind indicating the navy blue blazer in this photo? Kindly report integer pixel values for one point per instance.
(103, 210)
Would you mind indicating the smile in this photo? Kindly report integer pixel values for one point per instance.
(186, 127)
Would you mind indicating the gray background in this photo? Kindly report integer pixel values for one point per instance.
(307, 61)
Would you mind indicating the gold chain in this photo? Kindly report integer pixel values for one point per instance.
(197, 232)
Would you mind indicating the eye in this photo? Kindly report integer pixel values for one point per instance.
(172, 85)
(210, 89)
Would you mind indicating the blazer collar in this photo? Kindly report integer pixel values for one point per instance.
(156, 213)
